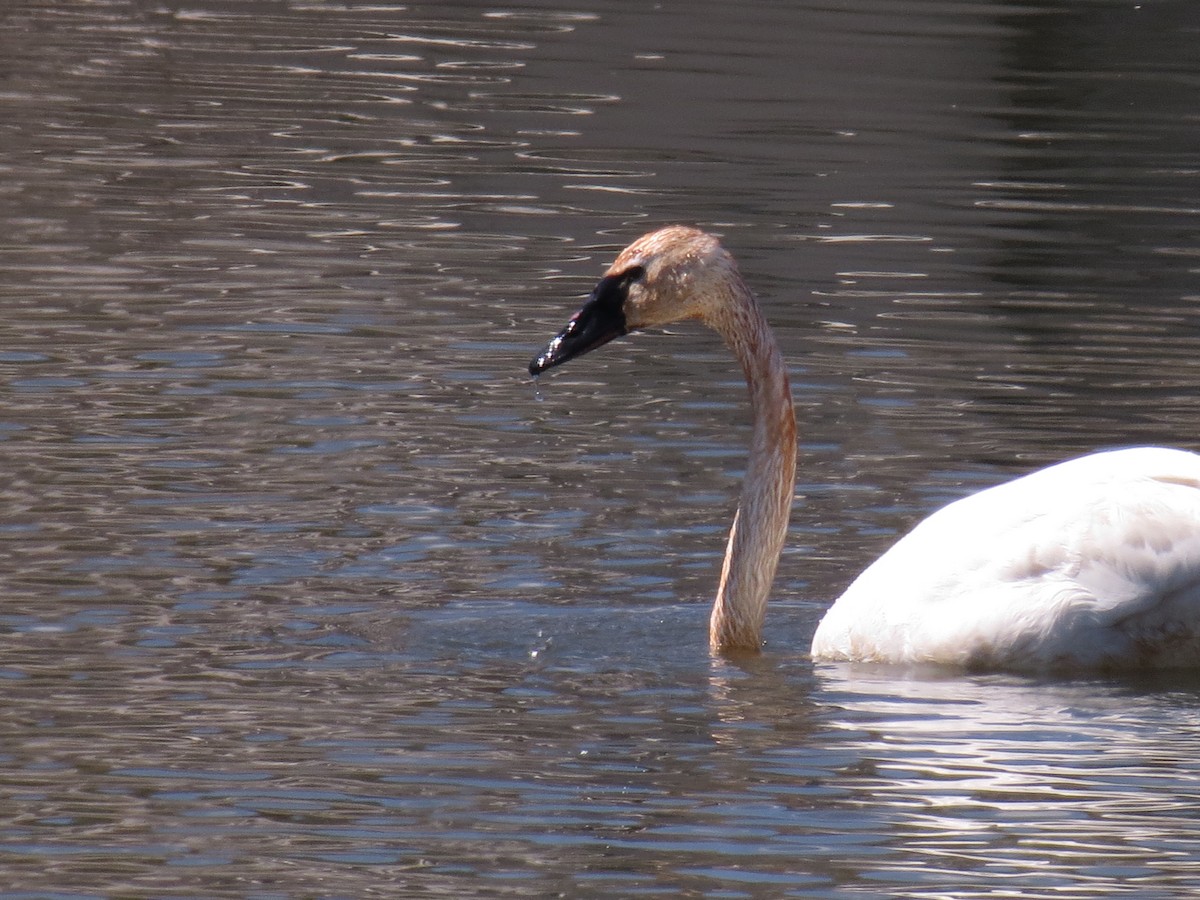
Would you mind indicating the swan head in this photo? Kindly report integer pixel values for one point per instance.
(665, 276)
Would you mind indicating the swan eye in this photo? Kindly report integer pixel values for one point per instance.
(613, 290)
(632, 274)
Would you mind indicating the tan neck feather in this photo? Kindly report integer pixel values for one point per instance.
(760, 526)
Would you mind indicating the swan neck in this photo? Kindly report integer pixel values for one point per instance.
(760, 525)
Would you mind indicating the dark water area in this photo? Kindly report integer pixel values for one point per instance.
(306, 589)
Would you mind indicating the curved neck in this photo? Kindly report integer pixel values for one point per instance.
(760, 526)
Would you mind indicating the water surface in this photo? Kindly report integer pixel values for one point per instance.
(309, 591)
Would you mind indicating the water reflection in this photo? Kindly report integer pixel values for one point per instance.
(989, 780)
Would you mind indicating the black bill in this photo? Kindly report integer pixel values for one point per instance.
(600, 320)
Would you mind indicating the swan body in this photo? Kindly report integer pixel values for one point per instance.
(1091, 563)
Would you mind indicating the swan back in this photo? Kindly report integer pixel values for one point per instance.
(1094, 562)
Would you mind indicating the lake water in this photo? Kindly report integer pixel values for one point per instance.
(306, 589)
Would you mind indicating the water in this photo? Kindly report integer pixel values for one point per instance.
(308, 591)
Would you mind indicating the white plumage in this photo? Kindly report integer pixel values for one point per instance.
(1091, 563)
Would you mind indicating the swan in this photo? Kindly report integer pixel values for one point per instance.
(1090, 563)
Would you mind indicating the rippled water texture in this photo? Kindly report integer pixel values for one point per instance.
(307, 590)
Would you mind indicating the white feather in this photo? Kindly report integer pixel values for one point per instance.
(1093, 562)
